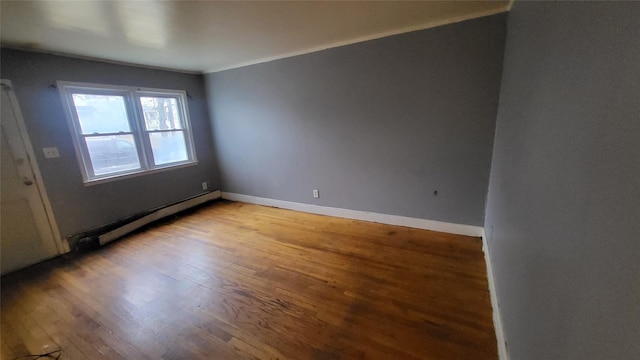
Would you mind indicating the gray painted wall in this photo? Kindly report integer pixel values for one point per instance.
(376, 126)
(79, 208)
(563, 214)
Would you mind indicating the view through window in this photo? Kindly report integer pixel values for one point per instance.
(121, 131)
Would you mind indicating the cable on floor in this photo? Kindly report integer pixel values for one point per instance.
(50, 354)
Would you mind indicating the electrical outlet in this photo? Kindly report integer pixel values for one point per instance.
(316, 194)
(205, 185)
(51, 152)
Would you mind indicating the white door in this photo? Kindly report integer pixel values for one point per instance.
(26, 231)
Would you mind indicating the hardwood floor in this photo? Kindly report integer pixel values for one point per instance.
(240, 281)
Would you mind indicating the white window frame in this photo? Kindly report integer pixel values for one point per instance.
(137, 125)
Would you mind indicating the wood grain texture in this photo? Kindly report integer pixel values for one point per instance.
(239, 281)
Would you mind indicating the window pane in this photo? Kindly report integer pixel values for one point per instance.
(101, 113)
(111, 154)
(168, 147)
(161, 113)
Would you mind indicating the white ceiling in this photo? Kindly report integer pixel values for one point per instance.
(208, 36)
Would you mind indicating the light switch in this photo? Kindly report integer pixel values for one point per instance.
(51, 152)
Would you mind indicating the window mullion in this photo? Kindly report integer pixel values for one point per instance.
(164, 130)
(144, 152)
(186, 126)
(107, 134)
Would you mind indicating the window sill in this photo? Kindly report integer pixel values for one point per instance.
(128, 175)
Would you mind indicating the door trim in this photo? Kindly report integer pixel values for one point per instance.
(61, 246)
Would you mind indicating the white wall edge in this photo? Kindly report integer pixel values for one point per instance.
(425, 224)
(157, 215)
(497, 318)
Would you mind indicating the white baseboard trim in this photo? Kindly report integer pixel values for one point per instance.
(497, 319)
(433, 225)
(157, 215)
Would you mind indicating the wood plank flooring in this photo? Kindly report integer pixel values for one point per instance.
(239, 281)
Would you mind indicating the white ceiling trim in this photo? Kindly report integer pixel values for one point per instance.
(429, 25)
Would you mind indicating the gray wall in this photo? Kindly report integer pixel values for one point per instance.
(79, 208)
(563, 213)
(375, 126)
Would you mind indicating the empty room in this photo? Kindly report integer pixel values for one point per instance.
(320, 180)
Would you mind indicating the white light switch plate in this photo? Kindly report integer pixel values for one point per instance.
(51, 152)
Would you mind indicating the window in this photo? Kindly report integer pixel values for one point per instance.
(123, 131)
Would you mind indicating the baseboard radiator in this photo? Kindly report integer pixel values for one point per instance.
(113, 231)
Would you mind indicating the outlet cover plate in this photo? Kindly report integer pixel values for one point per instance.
(51, 152)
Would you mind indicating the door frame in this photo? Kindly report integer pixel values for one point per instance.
(52, 226)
